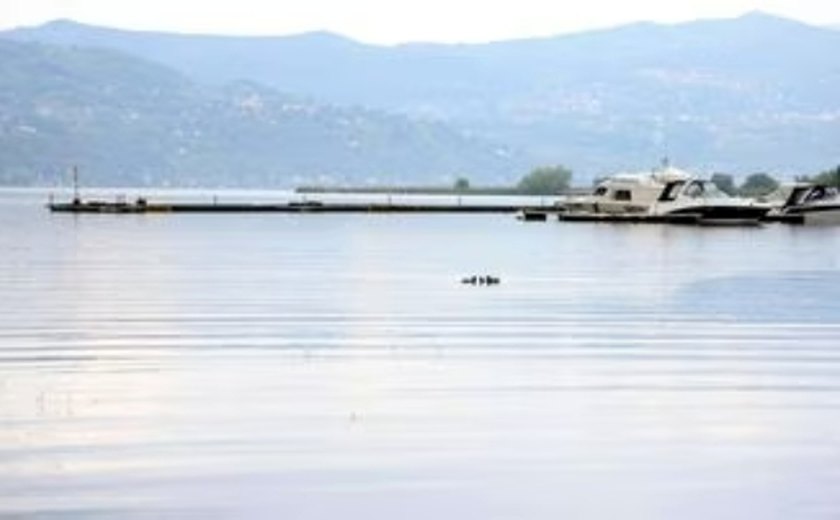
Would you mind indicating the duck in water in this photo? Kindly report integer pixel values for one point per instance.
(481, 280)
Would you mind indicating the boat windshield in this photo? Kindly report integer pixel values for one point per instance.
(712, 191)
(819, 193)
(703, 189)
(782, 195)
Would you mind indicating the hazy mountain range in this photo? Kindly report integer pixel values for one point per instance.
(756, 93)
(128, 121)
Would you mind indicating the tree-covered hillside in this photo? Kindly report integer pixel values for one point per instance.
(124, 120)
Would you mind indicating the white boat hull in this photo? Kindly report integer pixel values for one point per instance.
(822, 217)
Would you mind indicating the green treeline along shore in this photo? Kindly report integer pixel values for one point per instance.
(557, 180)
(547, 180)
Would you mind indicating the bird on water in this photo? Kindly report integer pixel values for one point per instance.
(481, 280)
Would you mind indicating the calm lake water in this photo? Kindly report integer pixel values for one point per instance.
(332, 366)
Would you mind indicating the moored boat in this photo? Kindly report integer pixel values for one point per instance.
(806, 204)
(666, 195)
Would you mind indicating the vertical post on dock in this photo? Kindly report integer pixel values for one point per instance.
(76, 198)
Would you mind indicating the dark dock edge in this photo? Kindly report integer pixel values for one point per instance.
(144, 207)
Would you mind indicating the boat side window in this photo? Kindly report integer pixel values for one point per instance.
(671, 190)
(600, 191)
(622, 195)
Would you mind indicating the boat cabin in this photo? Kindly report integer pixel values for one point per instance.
(626, 194)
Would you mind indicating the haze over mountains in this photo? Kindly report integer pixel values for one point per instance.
(756, 93)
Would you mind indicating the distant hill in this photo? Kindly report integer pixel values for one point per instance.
(124, 120)
(752, 93)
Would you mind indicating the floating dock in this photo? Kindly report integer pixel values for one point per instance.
(142, 206)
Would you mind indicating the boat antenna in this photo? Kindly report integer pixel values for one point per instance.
(665, 163)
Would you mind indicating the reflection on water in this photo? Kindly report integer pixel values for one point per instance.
(316, 366)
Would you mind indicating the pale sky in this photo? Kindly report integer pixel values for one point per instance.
(394, 21)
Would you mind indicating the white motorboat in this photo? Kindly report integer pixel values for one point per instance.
(806, 204)
(668, 195)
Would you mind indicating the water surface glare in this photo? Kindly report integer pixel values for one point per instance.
(326, 366)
